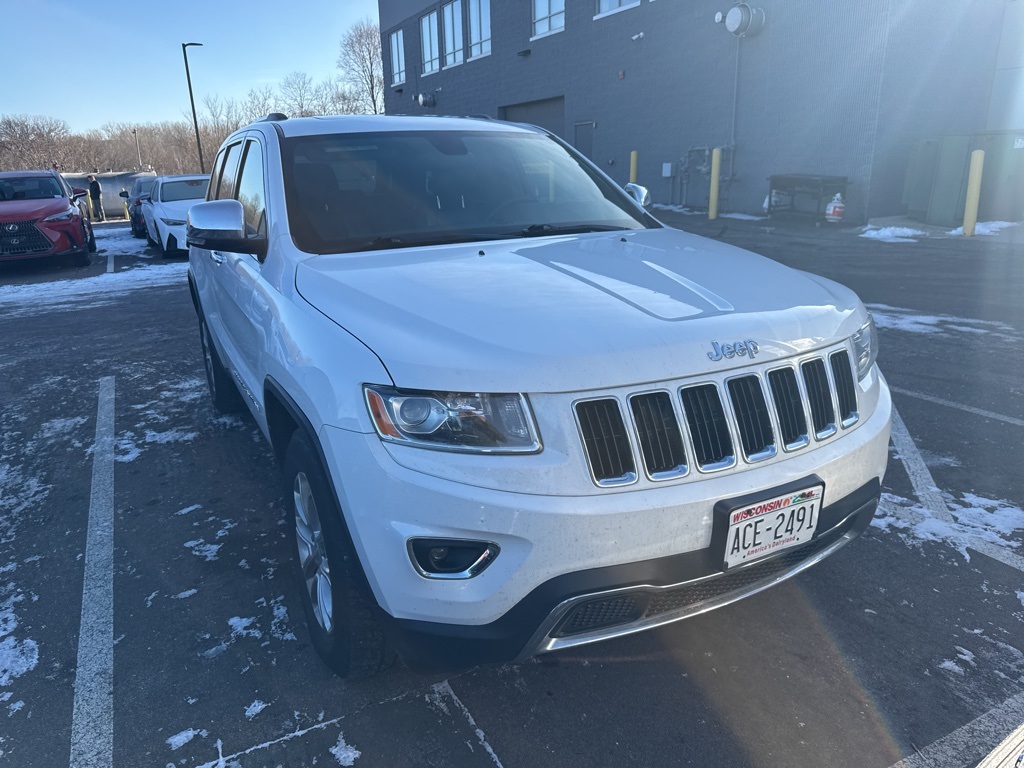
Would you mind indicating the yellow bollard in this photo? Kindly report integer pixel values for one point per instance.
(973, 192)
(634, 157)
(716, 170)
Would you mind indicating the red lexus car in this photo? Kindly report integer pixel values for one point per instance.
(40, 215)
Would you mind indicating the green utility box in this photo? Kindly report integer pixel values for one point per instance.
(935, 189)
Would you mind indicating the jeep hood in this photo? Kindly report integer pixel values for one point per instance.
(573, 313)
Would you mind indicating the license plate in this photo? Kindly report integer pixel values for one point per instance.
(772, 525)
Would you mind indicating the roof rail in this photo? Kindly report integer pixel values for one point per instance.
(273, 117)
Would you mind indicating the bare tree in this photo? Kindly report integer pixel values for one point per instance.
(361, 68)
(258, 103)
(331, 97)
(296, 92)
(33, 141)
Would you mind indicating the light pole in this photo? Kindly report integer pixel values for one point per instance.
(138, 149)
(195, 120)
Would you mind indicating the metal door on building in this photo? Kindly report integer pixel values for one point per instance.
(583, 138)
(546, 113)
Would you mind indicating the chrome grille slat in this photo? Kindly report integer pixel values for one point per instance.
(606, 441)
(661, 441)
(819, 395)
(709, 427)
(752, 418)
(846, 390)
(789, 408)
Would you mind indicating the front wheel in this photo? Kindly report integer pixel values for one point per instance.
(335, 598)
(223, 391)
(92, 240)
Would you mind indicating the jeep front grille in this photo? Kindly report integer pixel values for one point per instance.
(21, 237)
(717, 426)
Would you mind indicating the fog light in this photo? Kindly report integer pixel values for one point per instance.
(451, 558)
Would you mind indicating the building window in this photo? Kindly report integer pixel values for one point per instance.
(428, 39)
(607, 6)
(479, 27)
(548, 16)
(397, 58)
(451, 14)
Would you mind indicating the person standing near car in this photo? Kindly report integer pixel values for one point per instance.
(96, 197)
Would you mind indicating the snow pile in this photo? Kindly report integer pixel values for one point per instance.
(100, 290)
(974, 519)
(345, 754)
(892, 234)
(741, 217)
(900, 319)
(255, 708)
(179, 740)
(987, 227)
(676, 209)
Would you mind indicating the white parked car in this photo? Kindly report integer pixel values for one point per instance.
(515, 413)
(165, 209)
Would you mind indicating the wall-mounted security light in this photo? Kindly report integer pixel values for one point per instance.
(426, 99)
(742, 20)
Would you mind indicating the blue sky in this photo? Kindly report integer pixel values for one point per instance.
(89, 62)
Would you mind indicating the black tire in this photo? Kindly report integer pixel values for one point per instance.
(223, 392)
(149, 239)
(171, 249)
(92, 240)
(342, 627)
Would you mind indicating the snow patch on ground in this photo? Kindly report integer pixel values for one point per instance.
(179, 740)
(243, 627)
(186, 510)
(987, 227)
(951, 666)
(17, 656)
(170, 436)
(892, 234)
(255, 708)
(201, 549)
(99, 290)
(59, 427)
(183, 595)
(974, 518)
(676, 209)
(741, 217)
(900, 319)
(345, 754)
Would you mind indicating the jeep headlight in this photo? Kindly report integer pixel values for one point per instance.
(453, 421)
(865, 347)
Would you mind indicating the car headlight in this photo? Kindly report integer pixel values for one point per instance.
(67, 215)
(865, 347)
(453, 421)
(173, 222)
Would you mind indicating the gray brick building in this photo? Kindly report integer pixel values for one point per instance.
(828, 88)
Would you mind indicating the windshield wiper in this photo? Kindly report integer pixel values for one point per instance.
(539, 230)
(439, 238)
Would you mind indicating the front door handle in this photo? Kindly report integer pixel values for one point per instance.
(216, 258)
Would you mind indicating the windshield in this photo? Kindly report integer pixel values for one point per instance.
(29, 188)
(351, 192)
(142, 186)
(186, 189)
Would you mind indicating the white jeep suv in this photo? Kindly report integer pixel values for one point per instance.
(514, 411)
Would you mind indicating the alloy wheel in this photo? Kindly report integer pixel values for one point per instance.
(309, 540)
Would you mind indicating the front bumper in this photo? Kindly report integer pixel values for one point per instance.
(599, 604)
(47, 238)
(556, 550)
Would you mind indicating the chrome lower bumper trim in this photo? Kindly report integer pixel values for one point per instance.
(543, 642)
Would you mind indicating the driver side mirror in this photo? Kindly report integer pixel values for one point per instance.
(123, 193)
(640, 194)
(77, 193)
(219, 225)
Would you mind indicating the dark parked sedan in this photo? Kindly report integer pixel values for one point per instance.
(141, 187)
(40, 215)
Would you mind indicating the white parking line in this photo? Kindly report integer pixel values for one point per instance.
(961, 747)
(960, 406)
(92, 724)
(444, 688)
(110, 262)
(928, 493)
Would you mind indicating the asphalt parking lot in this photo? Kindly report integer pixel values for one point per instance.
(904, 649)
